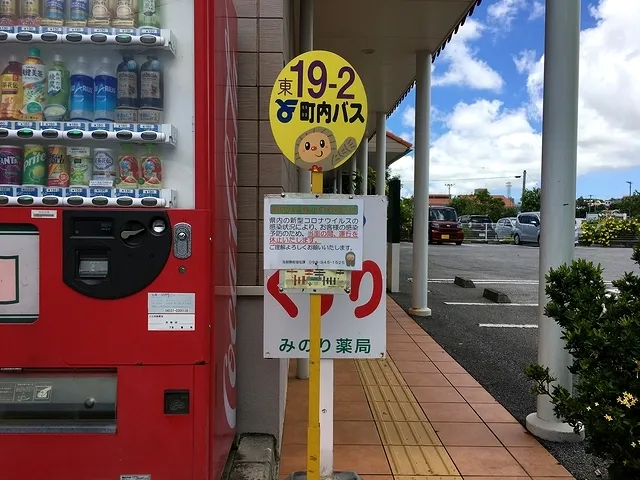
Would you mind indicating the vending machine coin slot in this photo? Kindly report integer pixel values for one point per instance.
(111, 254)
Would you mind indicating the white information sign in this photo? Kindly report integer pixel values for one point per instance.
(303, 231)
(353, 325)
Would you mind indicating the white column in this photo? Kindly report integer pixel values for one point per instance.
(558, 196)
(381, 152)
(421, 186)
(304, 176)
(306, 45)
(363, 164)
(352, 173)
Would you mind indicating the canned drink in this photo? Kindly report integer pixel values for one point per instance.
(104, 164)
(35, 166)
(80, 166)
(128, 171)
(58, 166)
(30, 8)
(11, 164)
(151, 170)
(53, 10)
(8, 9)
(79, 11)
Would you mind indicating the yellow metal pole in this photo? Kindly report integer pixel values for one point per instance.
(315, 332)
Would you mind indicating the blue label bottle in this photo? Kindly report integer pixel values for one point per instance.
(81, 102)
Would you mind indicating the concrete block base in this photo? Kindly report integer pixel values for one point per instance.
(345, 475)
(464, 282)
(495, 296)
(552, 431)
(420, 312)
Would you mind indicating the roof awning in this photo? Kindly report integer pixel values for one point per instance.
(381, 37)
(396, 148)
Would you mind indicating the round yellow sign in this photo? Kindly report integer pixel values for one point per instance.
(318, 110)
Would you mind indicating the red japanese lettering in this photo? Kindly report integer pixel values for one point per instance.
(368, 267)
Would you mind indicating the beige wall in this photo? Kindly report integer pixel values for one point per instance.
(265, 29)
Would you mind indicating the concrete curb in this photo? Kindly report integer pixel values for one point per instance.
(495, 296)
(464, 282)
(254, 459)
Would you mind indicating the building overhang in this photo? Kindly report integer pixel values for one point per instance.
(380, 39)
(397, 148)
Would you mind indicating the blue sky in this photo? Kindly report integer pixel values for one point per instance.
(486, 101)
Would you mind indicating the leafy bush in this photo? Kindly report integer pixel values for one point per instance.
(602, 333)
(604, 230)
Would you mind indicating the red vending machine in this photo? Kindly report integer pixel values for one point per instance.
(117, 238)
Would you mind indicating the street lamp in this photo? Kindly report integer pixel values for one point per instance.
(630, 183)
(449, 185)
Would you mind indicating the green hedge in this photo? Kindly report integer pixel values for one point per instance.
(607, 230)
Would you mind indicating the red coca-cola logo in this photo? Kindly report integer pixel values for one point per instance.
(230, 173)
(369, 267)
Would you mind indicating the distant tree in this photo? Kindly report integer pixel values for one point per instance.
(463, 205)
(629, 205)
(406, 213)
(530, 200)
(482, 203)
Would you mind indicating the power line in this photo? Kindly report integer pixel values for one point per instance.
(466, 179)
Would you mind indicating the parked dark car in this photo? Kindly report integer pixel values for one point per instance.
(479, 227)
(443, 226)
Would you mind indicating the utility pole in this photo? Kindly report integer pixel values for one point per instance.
(590, 202)
(630, 183)
(524, 182)
(449, 185)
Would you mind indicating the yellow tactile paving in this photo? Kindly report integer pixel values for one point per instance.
(407, 433)
(379, 372)
(419, 460)
(389, 393)
(397, 412)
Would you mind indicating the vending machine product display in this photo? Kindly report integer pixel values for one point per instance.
(117, 239)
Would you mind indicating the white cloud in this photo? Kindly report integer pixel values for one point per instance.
(485, 139)
(504, 11)
(464, 68)
(537, 10)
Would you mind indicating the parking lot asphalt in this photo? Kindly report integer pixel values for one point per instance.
(494, 342)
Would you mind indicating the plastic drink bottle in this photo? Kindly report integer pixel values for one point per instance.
(58, 88)
(81, 103)
(11, 90)
(34, 86)
(148, 15)
(151, 91)
(105, 88)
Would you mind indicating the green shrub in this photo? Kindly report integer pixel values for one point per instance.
(604, 230)
(602, 333)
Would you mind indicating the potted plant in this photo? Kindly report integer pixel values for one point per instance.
(602, 333)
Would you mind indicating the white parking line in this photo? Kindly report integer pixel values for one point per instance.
(507, 325)
(482, 281)
(483, 304)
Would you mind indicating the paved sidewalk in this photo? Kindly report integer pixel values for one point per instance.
(416, 415)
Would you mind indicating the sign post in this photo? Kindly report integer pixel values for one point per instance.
(318, 112)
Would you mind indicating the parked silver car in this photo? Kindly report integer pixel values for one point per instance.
(505, 227)
(527, 228)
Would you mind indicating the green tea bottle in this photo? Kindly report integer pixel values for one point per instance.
(58, 90)
(148, 15)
